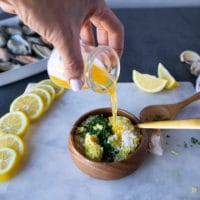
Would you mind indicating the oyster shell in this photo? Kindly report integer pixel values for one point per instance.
(33, 40)
(26, 30)
(41, 51)
(189, 57)
(4, 55)
(12, 30)
(18, 45)
(25, 59)
(5, 66)
(2, 40)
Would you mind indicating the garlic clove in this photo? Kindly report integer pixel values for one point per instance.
(156, 143)
(195, 68)
(189, 57)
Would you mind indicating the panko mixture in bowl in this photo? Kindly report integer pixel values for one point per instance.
(105, 152)
(96, 139)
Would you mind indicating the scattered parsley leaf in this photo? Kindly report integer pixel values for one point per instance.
(194, 140)
(194, 190)
(185, 145)
(174, 152)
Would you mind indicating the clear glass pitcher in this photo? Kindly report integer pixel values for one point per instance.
(101, 68)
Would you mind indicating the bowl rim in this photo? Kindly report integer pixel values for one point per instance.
(109, 111)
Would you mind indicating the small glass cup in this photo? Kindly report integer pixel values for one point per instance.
(101, 68)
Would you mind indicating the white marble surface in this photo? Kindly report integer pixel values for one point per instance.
(49, 173)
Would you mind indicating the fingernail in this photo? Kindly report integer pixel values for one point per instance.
(76, 84)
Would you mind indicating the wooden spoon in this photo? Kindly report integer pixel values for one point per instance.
(171, 124)
(165, 111)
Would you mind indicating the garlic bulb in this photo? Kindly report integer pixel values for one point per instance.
(192, 58)
(195, 68)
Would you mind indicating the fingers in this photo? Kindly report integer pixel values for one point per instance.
(68, 46)
(7, 7)
(61, 25)
(102, 36)
(110, 30)
(87, 35)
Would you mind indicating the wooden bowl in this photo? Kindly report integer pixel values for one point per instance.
(108, 170)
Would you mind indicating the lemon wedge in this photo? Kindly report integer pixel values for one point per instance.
(148, 83)
(44, 94)
(30, 104)
(164, 74)
(14, 142)
(9, 162)
(14, 123)
(59, 90)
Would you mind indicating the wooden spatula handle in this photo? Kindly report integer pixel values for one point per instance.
(172, 124)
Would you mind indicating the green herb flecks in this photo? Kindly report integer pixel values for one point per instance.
(175, 153)
(185, 144)
(99, 126)
(194, 140)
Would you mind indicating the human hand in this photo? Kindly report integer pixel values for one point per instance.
(64, 22)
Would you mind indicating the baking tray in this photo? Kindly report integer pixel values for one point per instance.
(24, 71)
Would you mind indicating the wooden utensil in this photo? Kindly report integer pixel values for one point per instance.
(171, 124)
(165, 111)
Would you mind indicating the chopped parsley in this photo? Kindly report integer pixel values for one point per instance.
(185, 144)
(194, 140)
(99, 125)
(194, 190)
(175, 153)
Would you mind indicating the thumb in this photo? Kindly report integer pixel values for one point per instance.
(69, 49)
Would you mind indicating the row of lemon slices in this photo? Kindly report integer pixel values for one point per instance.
(25, 109)
(153, 84)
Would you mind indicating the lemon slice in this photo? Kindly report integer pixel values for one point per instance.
(9, 162)
(14, 123)
(29, 103)
(14, 142)
(164, 74)
(59, 90)
(44, 94)
(48, 88)
(148, 83)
